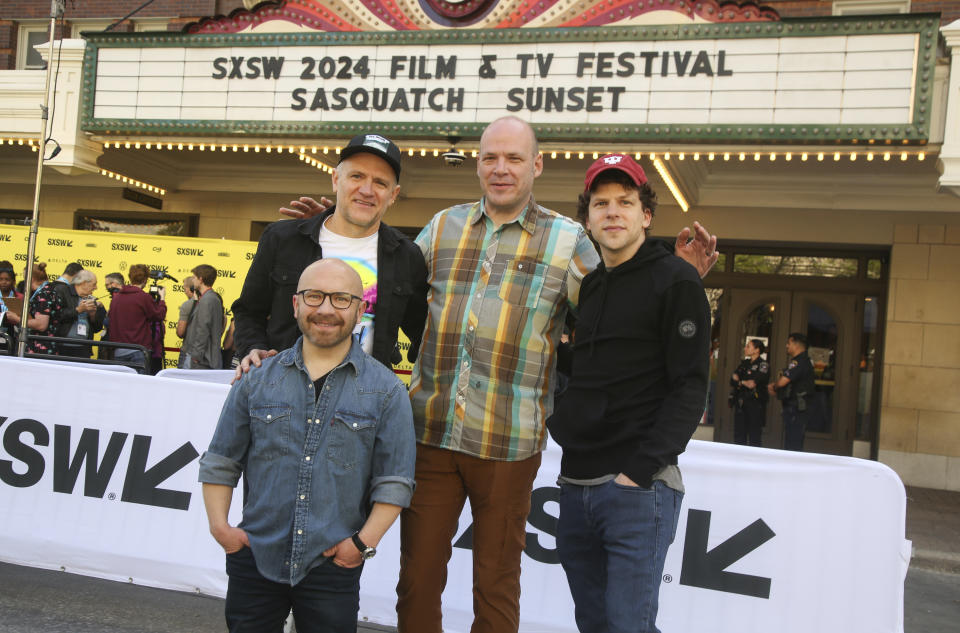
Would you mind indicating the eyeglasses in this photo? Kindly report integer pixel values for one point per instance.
(339, 300)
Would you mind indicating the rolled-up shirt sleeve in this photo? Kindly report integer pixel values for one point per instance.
(394, 452)
(223, 461)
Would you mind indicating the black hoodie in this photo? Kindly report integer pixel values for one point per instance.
(640, 368)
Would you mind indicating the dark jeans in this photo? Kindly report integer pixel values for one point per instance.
(748, 422)
(612, 541)
(794, 427)
(326, 601)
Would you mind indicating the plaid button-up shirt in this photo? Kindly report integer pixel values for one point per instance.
(483, 383)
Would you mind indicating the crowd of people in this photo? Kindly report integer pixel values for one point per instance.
(134, 325)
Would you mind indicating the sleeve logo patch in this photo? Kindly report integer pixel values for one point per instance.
(687, 328)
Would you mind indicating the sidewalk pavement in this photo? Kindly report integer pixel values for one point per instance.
(933, 524)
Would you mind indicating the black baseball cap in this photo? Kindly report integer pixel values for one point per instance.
(376, 145)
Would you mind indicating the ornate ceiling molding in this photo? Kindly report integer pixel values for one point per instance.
(404, 15)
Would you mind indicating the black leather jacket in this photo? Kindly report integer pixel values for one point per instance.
(264, 312)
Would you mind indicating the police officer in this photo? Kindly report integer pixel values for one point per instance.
(749, 394)
(794, 388)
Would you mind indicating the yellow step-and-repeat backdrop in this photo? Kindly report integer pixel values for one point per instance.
(105, 253)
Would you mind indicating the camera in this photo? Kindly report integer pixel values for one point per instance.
(155, 289)
(156, 273)
(453, 158)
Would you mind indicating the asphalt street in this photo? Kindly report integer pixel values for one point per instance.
(33, 600)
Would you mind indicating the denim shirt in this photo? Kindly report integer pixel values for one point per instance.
(313, 467)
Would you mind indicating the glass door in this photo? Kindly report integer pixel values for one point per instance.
(753, 314)
(830, 324)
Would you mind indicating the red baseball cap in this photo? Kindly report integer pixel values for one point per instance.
(615, 161)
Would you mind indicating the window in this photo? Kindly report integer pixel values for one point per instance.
(717, 389)
(794, 265)
(870, 7)
(150, 24)
(869, 341)
(28, 36)
(138, 223)
(257, 227)
(87, 26)
(11, 216)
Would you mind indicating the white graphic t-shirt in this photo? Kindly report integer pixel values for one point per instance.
(361, 255)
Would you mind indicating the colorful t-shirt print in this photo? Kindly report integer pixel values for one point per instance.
(361, 255)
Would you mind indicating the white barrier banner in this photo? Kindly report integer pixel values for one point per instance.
(98, 476)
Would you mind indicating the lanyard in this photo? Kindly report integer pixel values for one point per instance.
(37, 290)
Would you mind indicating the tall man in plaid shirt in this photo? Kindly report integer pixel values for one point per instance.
(502, 272)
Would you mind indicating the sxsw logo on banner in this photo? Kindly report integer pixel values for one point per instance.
(702, 567)
(196, 252)
(5, 238)
(26, 465)
(118, 246)
(53, 241)
(90, 263)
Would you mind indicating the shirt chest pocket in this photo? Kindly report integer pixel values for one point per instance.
(351, 438)
(284, 277)
(270, 429)
(522, 282)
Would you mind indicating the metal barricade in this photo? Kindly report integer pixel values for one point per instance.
(141, 366)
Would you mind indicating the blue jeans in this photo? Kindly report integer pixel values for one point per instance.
(326, 601)
(133, 356)
(612, 541)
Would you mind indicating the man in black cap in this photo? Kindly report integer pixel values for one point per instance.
(391, 266)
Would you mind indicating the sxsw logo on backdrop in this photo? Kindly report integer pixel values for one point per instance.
(90, 263)
(26, 465)
(197, 252)
(5, 238)
(702, 567)
(119, 246)
(53, 241)
(226, 274)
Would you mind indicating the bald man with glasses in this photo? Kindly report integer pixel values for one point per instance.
(323, 435)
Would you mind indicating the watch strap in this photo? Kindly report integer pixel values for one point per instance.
(359, 544)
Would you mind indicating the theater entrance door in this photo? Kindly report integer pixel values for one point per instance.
(831, 322)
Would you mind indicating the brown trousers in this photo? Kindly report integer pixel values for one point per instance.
(499, 494)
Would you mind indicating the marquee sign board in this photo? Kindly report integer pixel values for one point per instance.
(836, 79)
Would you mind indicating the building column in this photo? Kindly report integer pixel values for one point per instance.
(920, 412)
(949, 163)
(78, 153)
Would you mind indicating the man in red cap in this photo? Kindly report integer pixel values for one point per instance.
(639, 377)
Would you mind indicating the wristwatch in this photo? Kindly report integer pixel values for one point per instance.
(366, 553)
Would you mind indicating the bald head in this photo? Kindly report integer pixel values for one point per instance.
(331, 275)
(508, 163)
(515, 126)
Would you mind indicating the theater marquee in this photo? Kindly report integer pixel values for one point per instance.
(813, 80)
